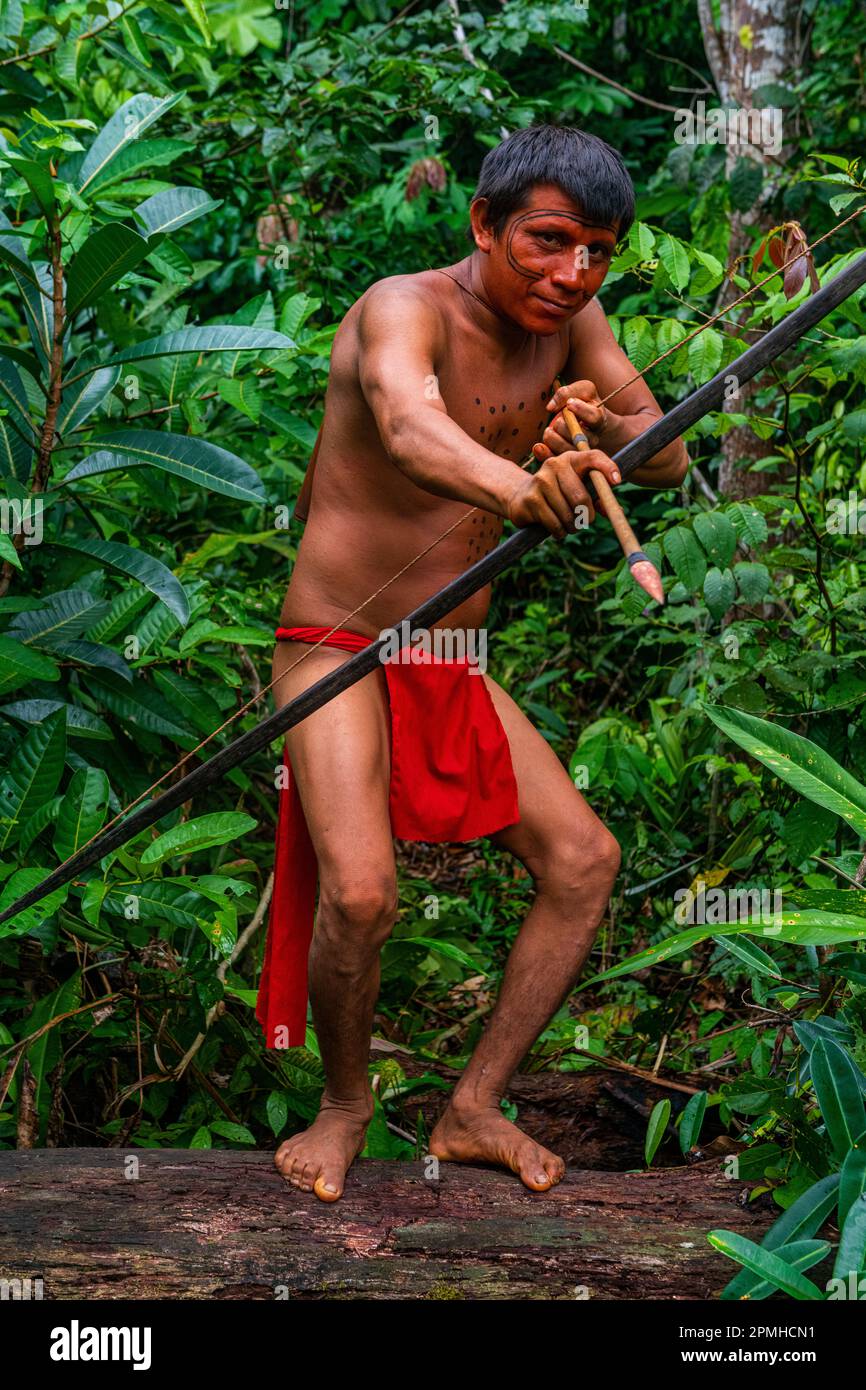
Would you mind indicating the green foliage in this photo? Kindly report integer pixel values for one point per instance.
(191, 197)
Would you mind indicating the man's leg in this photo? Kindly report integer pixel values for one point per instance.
(573, 860)
(340, 757)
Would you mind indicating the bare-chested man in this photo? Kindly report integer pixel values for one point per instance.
(397, 464)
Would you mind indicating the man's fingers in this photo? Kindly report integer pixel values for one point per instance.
(589, 414)
(572, 486)
(581, 390)
(552, 493)
(564, 491)
(557, 437)
(596, 460)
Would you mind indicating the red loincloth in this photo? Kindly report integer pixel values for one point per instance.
(451, 779)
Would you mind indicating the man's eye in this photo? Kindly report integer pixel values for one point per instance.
(548, 238)
(598, 248)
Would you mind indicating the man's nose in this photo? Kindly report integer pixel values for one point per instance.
(570, 272)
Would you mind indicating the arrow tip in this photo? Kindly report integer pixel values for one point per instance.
(647, 576)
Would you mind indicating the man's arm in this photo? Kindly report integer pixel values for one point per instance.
(401, 340)
(596, 360)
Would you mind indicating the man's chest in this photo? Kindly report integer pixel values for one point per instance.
(503, 408)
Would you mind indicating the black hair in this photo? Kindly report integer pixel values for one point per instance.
(588, 170)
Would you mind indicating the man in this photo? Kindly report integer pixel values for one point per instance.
(440, 382)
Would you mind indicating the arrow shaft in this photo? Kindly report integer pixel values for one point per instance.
(632, 456)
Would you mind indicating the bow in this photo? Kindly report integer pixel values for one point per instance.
(637, 452)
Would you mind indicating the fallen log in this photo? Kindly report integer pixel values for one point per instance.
(170, 1224)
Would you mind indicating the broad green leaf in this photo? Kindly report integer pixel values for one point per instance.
(78, 720)
(751, 955)
(206, 630)
(203, 832)
(296, 310)
(245, 24)
(748, 523)
(796, 760)
(201, 1139)
(798, 928)
(44, 1052)
(753, 580)
(197, 13)
(61, 615)
(106, 256)
(277, 1108)
(837, 1086)
(705, 354)
(16, 461)
(639, 341)
(86, 395)
(285, 423)
(668, 333)
(206, 465)
(851, 965)
(238, 1134)
(806, 1216)
(717, 535)
(708, 274)
(165, 212)
(19, 665)
(691, 1120)
(32, 829)
(658, 1123)
(33, 775)
(138, 565)
(852, 1180)
(34, 916)
(675, 259)
(766, 1263)
(851, 1252)
(243, 394)
(145, 154)
(13, 398)
(642, 239)
(686, 557)
(13, 251)
(444, 948)
(37, 178)
(720, 591)
(82, 812)
(221, 338)
(847, 900)
(125, 127)
(139, 705)
(36, 287)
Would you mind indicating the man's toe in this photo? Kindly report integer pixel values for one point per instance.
(328, 1185)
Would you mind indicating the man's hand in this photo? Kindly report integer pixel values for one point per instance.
(583, 401)
(551, 496)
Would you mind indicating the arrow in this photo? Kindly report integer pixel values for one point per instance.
(637, 452)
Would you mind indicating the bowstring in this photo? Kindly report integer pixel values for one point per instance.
(347, 617)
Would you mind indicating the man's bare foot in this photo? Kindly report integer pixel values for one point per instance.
(318, 1160)
(484, 1135)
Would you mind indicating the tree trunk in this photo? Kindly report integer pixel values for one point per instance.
(756, 43)
(222, 1224)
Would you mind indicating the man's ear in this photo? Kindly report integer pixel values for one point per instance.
(482, 233)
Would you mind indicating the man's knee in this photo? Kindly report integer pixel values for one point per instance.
(357, 913)
(578, 863)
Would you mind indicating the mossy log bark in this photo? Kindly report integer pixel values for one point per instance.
(220, 1224)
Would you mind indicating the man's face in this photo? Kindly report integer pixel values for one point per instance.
(547, 263)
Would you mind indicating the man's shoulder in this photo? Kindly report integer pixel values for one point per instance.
(421, 287)
(401, 300)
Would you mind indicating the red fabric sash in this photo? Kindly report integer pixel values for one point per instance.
(451, 779)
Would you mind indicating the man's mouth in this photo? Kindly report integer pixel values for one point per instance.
(556, 306)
